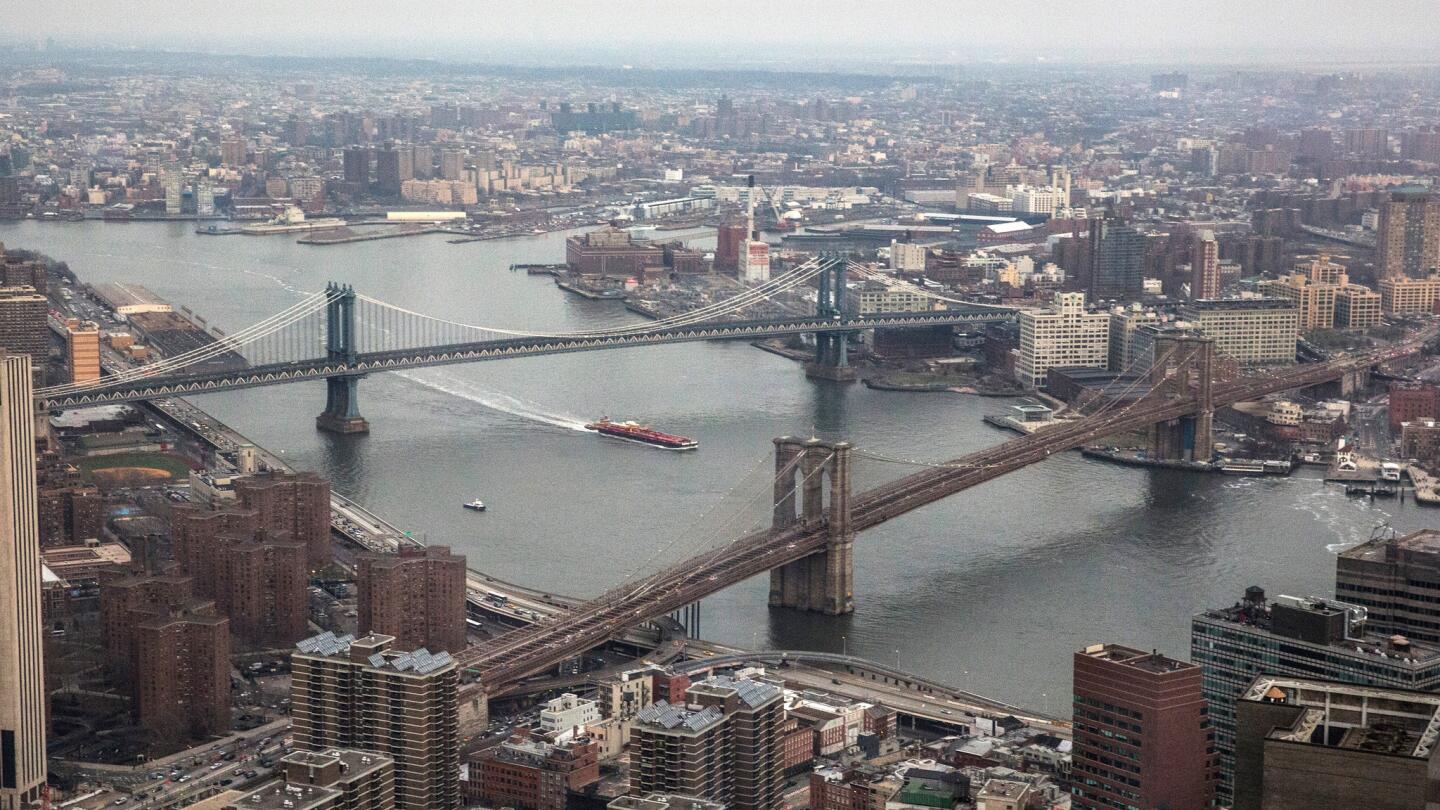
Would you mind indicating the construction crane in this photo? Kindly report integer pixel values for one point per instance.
(781, 223)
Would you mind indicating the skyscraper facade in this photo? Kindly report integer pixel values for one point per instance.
(298, 503)
(1397, 581)
(173, 184)
(388, 169)
(360, 693)
(417, 596)
(357, 166)
(82, 352)
(22, 673)
(1306, 637)
(1408, 236)
(1141, 732)
(1205, 266)
(721, 743)
(22, 323)
(1116, 261)
(182, 674)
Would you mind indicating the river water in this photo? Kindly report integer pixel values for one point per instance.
(992, 589)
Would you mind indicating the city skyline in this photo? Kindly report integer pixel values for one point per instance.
(972, 378)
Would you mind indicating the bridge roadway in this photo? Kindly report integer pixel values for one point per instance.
(398, 359)
(532, 650)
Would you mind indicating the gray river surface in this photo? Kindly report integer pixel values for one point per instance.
(992, 589)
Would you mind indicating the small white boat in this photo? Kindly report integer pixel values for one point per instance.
(477, 505)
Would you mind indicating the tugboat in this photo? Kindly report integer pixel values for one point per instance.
(477, 505)
(640, 434)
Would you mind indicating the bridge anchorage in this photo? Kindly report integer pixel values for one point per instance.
(832, 360)
(1185, 359)
(342, 397)
(823, 582)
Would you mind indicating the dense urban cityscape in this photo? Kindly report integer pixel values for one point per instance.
(884, 430)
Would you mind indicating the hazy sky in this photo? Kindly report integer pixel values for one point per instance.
(755, 31)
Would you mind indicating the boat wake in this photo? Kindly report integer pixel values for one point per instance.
(494, 400)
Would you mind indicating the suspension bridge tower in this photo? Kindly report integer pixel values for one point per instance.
(342, 401)
(823, 582)
(832, 356)
(1181, 361)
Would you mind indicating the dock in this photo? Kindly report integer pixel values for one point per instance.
(1024, 428)
(1134, 458)
(346, 235)
(612, 294)
(539, 269)
(1427, 486)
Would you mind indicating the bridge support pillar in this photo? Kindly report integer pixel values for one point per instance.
(342, 398)
(342, 407)
(832, 359)
(832, 349)
(474, 711)
(1182, 360)
(822, 582)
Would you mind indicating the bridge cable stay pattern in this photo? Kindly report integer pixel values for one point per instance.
(1108, 403)
(251, 335)
(623, 596)
(693, 533)
(749, 297)
(387, 325)
(529, 652)
(679, 575)
(710, 556)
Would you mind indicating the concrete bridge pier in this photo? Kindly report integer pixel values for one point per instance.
(822, 582)
(832, 359)
(342, 407)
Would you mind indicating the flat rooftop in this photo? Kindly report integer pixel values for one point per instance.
(1425, 541)
(1394, 722)
(69, 558)
(1221, 304)
(1136, 659)
(663, 801)
(355, 763)
(1257, 617)
(284, 796)
(119, 295)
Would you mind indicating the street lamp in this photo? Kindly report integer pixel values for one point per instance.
(844, 646)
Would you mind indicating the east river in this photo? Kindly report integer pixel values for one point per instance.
(992, 589)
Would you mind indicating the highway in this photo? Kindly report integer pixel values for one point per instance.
(190, 774)
(863, 679)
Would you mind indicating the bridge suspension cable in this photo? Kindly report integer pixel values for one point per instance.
(1109, 402)
(673, 576)
(748, 297)
(704, 557)
(306, 307)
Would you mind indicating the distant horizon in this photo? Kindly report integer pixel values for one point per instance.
(749, 33)
(597, 59)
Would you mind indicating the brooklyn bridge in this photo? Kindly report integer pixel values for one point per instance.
(341, 336)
